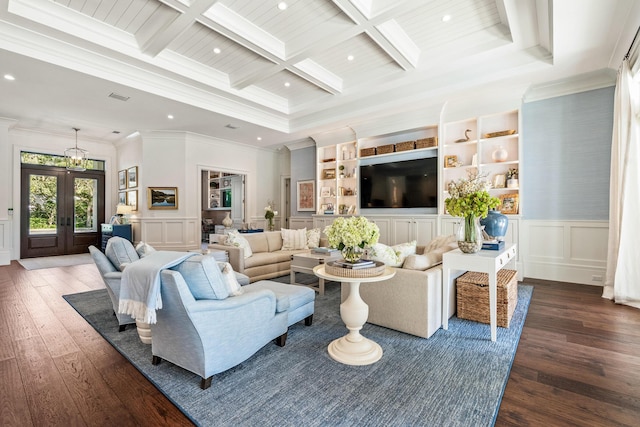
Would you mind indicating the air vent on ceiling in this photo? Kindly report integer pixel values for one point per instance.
(230, 126)
(115, 131)
(118, 97)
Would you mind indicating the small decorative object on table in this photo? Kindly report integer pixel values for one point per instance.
(352, 235)
(269, 213)
(512, 178)
(500, 154)
(470, 199)
(495, 225)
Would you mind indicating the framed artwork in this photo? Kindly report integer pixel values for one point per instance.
(509, 203)
(325, 192)
(132, 199)
(450, 161)
(122, 180)
(162, 197)
(499, 180)
(122, 197)
(329, 174)
(132, 177)
(307, 195)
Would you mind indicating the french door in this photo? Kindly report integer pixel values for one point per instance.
(61, 211)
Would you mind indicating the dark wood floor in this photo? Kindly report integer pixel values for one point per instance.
(578, 361)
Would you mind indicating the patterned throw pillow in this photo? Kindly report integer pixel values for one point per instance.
(144, 249)
(393, 256)
(235, 239)
(294, 239)
(230, 280)
(313, 237)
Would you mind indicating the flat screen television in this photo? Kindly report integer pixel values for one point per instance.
(405, 184)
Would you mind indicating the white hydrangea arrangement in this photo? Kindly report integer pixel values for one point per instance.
(470, 196)
(351, 232)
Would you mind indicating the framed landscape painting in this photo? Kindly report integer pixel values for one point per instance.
(306, 195)
(162, 197)
(132, 177)
(122, 180)
(132, 199)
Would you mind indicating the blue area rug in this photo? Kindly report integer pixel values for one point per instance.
(455, 378)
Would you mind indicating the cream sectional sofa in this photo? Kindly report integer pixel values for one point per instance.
(411, 301)
(267, 261)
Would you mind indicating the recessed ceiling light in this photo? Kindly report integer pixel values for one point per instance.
(282, 5)
(446, 18)
(9, 77)
(259, 138)
(216, 50)
(350, 58)
(287, 84)
(170, 116)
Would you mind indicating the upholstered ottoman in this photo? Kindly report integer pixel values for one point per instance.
(298, 301)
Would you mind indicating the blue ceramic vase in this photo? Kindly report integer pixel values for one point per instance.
(495, 224)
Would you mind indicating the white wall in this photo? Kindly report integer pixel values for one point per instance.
(176, 159)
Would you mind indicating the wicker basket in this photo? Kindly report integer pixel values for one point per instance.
(365, 152)
(473, 296)
(385, 149)
(336, 270)
(405, 146)
(427, 142)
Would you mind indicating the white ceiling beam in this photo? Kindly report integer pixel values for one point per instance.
(156, 34)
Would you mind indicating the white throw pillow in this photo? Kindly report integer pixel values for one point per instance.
(313, 238)
(235, 239)
(393, 256)
(144, 249)
(439, 242)
(294, 239)
(230, 280)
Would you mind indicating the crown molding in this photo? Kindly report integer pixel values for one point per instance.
(575, 84)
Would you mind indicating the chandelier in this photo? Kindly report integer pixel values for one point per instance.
(76, 158)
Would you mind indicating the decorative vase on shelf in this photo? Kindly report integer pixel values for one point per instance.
(270, 224)
(227, 221)
(512, 183)
(469, 234)
(500, 155)
(495, 224)
(352, 253)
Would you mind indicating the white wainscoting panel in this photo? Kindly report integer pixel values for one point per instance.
(567, 251)
(298, 222)
(170, 233)
(5, 242)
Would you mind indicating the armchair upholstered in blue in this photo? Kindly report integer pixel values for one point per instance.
(111, 276)
(214, 333)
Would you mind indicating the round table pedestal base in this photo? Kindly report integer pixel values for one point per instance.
(363, 352)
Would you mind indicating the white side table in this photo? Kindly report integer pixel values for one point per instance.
(484, 261)
(353, 348)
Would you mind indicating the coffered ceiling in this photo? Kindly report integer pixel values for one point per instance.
(248, 69)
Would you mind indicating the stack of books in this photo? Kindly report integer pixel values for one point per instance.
(363, 263)
(324, 250)
(492, 245)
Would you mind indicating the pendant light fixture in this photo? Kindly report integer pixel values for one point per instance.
(76, 158)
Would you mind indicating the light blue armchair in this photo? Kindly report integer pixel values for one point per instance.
(208, 336)
(111, 277)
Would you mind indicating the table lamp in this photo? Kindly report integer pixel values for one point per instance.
(123, 211)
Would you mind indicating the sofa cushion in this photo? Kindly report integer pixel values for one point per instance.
(265, 258)
(274, 240)
(203, 277)
(143, 249)
(393, 256)
(433, 256)
(230, 279)
(258, 242)
(313, 237)
(294, 239)
(120, 252)
(235, 239)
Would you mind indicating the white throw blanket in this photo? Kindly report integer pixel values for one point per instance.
(140, 285)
